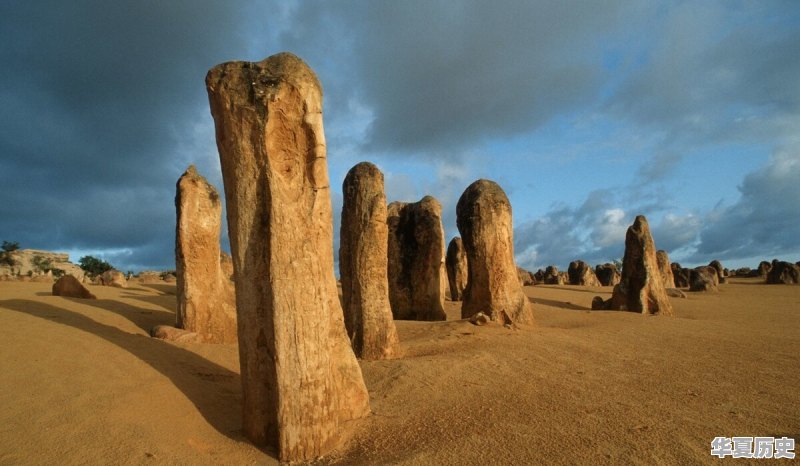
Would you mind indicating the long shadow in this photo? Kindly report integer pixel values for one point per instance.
(213, 389)
(560, 304)
(593, 290)
(145, 319)
(168, 302)
(161, 288)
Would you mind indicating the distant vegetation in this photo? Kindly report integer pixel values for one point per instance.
(43, 265)
(94, 266)
(5, 254)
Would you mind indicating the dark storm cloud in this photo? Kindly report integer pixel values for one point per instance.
(449, 75)
(716, 71)
(99, 99)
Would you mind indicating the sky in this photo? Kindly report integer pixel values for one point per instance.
(586, 113)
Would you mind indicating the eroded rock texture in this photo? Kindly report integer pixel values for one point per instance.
(456, 264)
(553, 277)
(680, 275)
(526, 277)
(417, 276)
(363, 264)
(300, 378)
(70, 287)
(581, 273)
(785, 273)
(641, 288)
(607, 274)
(483, 216)
(205, 292)
(703, 278)
(717, 265)
(113, 278)
(665, 267)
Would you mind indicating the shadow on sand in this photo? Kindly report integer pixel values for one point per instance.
(606, 289)
(559, 304)
(213, 389)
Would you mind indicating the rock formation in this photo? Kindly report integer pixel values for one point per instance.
(680, 275)
(580, 273)
(483, 216)
(641, 288)
(363, 263)
(417, 276)
(526, 278)
(607, 274)
(113, 278)
(719, 269)
(665, 267)
(763, 269)
(300, 378)
(553, 277)
(703, 278)
(785, 273)
(456, 264)
(205, 292)
(30, 261)
(70, 287)
(149, 277)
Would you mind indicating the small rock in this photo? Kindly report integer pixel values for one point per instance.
(479, 319)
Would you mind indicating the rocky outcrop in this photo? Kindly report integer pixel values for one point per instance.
(417, 276)
(456, 265)
(148, 277)
(526, 277)
(665, 267)
(30, 262)
(763, 269)
(580, 273)
(553, 277)
(363, 263)
(703, 278)
(113, 278)
(70, 287)
(300, 378)
(206, 295)
(483, 216)
(680, 276)
(784, 273)
(717, 266)
(607, 274)
(641, 288)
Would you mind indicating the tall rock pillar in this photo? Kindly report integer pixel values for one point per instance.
(300, 378)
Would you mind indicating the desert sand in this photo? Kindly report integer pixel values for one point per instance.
(81, 382)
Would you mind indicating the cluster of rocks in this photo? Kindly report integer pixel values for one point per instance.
(782, 272)
(297, 341)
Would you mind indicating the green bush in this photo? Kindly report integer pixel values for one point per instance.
(5, 253)
(94, 266)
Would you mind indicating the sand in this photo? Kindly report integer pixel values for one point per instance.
(82, 383)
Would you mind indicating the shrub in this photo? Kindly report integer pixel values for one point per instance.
(94, 266)
(5, 253)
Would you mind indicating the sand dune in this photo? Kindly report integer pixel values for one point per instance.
(82, 383)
